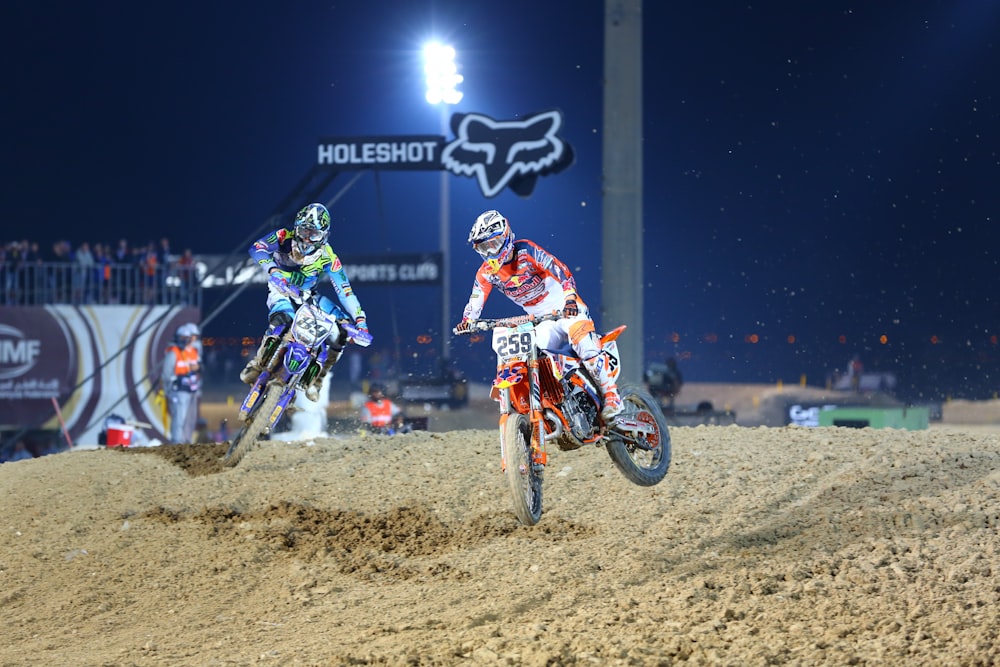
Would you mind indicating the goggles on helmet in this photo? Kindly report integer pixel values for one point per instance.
(309, 234)
(491, 246)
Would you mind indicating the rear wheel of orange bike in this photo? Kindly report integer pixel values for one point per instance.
(643, 457)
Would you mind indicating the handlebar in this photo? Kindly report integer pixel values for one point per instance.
(301, 296)
(486, 325)
(359, 337)
(289, 290)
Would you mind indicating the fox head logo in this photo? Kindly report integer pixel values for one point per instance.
(506, 153)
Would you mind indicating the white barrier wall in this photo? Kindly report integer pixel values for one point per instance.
(87, 360)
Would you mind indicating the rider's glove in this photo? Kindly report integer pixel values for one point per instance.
(362, 324)
(281, 284)
(296, 278)
(463, 327)
(570, 309)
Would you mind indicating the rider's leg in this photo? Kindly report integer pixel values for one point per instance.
(333, 354)
(278, 318)
(587, 345)
(334, 349)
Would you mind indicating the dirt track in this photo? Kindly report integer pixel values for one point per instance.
(762, 546)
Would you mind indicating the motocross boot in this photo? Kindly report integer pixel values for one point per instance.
(312, 391)
(598, 369)
(252, 370)
(254, 367)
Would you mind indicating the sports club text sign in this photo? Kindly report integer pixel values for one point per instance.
(497, 153)
(397, 269)
(404, 269)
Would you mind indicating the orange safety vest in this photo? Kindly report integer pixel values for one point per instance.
(379, 414)
(184, 360)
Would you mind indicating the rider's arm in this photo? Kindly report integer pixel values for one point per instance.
(262, 251)
(481, 288)
(342, 286)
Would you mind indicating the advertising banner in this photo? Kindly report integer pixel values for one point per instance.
(90, 361)
(498, 154)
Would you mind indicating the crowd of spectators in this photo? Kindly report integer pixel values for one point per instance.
(99, 273)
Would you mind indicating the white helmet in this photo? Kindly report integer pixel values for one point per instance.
(492, 237)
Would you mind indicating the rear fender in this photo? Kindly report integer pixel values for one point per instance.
(613, 335)
(568, 351)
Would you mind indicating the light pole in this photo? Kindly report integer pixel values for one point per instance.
(442, 79)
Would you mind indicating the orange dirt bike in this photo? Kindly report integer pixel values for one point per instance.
(548, 396)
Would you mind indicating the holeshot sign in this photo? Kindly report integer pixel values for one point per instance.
(416, 152)
(497, 153)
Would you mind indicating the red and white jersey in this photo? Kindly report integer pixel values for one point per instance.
(533, 279)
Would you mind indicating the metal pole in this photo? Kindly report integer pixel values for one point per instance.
(621, 265)
(445, 254)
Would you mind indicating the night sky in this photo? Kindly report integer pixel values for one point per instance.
(821, 177)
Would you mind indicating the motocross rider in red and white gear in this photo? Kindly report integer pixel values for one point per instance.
(540, 284)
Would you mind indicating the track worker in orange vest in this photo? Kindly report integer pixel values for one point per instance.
(181, 379)
(380, 414)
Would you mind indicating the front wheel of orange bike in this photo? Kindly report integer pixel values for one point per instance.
(524, 478)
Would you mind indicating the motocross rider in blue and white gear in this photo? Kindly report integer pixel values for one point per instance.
(296, 259)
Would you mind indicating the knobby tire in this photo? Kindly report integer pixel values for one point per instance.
(524, 481)
(638, 465)
(246, 439)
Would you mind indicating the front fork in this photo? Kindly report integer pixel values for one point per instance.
(266, 352)
(295, 356)
(539, 457)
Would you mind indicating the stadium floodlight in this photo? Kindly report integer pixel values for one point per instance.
(442, 74)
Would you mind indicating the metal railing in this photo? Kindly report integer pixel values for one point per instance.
(46, 283)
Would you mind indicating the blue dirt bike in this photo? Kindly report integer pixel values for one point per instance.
(291, 360)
